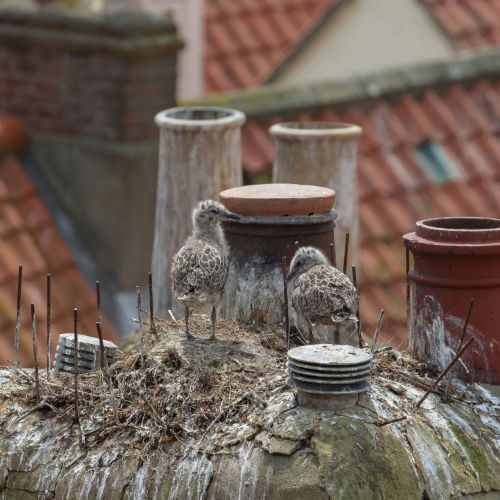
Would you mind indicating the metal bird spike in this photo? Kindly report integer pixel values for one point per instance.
(75, 361)
(139, 316)
(466, 324)
(35, 352)
(49, 279)
(285, 293)
(346, 253)
(407, 257)
(105, 368)
(377, 330)
(461, 342)
(358, 326)
(332, 255)
(152, 325)
(18, 317)
(445, 371)
(98, 300)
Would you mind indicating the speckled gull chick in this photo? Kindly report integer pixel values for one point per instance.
(320, 292)
(199, 269)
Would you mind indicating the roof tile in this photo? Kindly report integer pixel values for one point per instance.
(29, 237)
(248, 39)
(468, 23)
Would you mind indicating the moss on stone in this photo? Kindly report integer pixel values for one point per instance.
(476, 458)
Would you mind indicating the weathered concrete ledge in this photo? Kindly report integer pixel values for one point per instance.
(281, 98)
(280, 450)
(444, 452)
(123, 33)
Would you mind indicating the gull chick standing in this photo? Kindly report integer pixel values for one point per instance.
(320, 292)
(200, 267)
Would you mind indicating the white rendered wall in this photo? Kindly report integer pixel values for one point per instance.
(365, 36)
(189, 17)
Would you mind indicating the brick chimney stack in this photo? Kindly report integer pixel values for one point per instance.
(88, 87)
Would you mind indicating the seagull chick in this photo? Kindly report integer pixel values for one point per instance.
(200, 267)
(320, 292)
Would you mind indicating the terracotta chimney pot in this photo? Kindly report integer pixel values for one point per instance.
(456, 259)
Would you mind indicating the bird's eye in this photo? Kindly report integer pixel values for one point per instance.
(213, 211)
(299, 263)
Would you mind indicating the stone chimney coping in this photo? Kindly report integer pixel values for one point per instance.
(122, 32)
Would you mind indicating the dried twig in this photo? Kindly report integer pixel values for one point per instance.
(445, 371)
(346, 253)
(152, 325)
(35, 352)
(105, 368)
(377, 330)
(171, 314)
(393, 421)
(49, 278)
(154, 414)
(18, 317)
(285, 294)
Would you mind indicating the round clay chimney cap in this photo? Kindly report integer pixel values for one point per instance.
(278, 199)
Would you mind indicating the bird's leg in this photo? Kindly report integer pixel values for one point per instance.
(311, 334)
(214, 320)
(336, 335)
(186, 321)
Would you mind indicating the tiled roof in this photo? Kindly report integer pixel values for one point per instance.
(468, 23)
(29, 237)
(246, 40)
(460, 123)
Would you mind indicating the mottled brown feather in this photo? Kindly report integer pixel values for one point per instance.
(322, 292)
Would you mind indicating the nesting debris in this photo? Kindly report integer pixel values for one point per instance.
(211, 394)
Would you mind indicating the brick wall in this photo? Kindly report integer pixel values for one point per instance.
(88, 89)
(102, 78)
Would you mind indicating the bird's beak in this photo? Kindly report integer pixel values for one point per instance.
(290, 276)
(229, 216)
(353, 318)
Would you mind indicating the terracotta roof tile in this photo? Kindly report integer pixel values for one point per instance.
(394, 189)
(416, 120)
(370, 139)
(487, 100)
(29, 237)
(474, 160)
(389, 127)
(247, 40)
(442, 117)
(468, 23)
(17, 182)
(378, 180)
